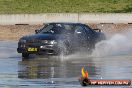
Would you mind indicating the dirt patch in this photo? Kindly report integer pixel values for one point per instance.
(14, 32)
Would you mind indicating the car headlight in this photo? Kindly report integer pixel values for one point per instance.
(22, 40)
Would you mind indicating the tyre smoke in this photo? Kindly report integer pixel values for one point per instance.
(118, 44)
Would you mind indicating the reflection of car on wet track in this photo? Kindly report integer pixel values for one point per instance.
(59, 38)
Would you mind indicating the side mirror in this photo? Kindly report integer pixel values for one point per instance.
(78, 32)
(36, 31)
(98, 30)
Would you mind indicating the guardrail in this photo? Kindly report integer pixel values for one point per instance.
(11, 19)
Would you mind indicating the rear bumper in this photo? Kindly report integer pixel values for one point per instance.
(45, 49)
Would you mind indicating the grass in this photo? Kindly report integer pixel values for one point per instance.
(62, 6)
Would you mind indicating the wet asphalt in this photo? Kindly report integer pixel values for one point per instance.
(58, 71)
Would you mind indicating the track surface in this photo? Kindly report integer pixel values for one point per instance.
(57, 71)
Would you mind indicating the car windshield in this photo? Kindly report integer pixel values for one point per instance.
(46, 29)
(57, 28)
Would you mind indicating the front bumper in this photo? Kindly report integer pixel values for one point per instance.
(42, 49)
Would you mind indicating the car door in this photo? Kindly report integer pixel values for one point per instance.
(80, 36)
(91, 36)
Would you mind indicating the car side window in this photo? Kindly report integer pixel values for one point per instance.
(79, 29)
(89, 29)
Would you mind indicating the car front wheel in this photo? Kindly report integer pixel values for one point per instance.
(25, 55)
(64, 48)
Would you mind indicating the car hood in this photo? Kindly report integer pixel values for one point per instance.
(41, 36)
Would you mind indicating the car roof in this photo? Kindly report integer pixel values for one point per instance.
(70, 23)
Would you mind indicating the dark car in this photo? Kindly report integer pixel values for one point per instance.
(60, 38)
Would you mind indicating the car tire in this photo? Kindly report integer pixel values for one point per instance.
(25, 55)
(64, 51)
(64, 48)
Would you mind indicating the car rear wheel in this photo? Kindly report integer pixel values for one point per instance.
(25, 55)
